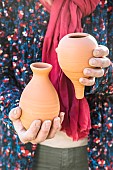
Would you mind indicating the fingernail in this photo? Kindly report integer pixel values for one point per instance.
(15, 112)
(87, 72)
(93, 62)
(37, 124)
(47, 125)
(57, 122)
(81, 80)
(96, 52)
(62, 114)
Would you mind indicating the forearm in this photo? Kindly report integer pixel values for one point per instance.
(9, 97)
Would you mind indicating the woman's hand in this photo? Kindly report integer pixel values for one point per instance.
(98, 62)
(38, 132)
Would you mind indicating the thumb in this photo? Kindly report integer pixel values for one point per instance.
(15, 114)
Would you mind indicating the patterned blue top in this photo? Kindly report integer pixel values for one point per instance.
(22, 28)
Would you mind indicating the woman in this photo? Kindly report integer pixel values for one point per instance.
(23, 26)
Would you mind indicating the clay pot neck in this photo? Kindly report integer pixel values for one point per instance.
(40, 68)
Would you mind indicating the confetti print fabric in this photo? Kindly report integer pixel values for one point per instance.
(22, 28)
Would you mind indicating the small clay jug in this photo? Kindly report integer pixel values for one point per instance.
(39, 99)
(74, 51)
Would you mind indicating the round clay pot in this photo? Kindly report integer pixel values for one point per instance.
(74, 51)
(39, 99)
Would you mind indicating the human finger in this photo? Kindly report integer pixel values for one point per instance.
(87, 81)
(15, 114)
(30, 134)
(43, 133)
(56, 126)
(102, 62)
(101, 51)
(25, 136)
(93, 72)
(61, 115)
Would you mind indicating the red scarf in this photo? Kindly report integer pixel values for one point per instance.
(65, 17)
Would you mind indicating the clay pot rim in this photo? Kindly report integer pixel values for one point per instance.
(40, 66)
(80, 34)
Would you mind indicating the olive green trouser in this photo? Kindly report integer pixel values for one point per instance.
(48, 158)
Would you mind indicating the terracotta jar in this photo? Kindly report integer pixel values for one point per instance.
(74, 51)
(39, 99)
